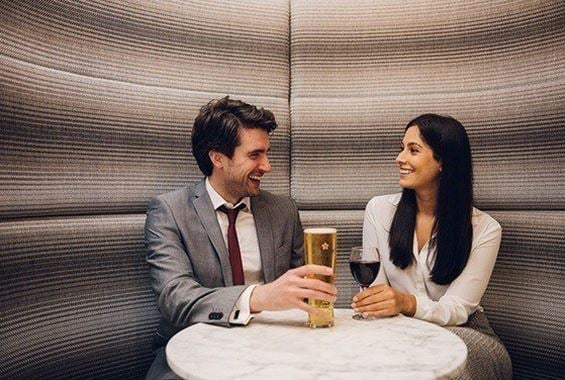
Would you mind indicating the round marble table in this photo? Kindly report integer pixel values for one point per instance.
(278, 345)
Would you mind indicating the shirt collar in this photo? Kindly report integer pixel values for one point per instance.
(218, 201)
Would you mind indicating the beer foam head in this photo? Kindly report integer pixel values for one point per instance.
(320, 230)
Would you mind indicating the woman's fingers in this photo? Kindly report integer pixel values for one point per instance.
(384, 301)
(372, 295)
(380, 313)
(377, 306)
(379, 300)
(369, 292)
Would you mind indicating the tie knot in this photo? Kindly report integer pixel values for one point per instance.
(231, 212)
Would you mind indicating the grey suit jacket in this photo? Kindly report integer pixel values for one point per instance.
(189, 262)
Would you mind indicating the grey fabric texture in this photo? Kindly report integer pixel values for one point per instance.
(75, 299)
(97, 110)
(160, 369)
(487, 357)
(525, 298)
(361, 70)
(97, 99)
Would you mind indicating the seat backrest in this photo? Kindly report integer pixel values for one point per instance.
(97, 102)
(96, 107)
(362, 70)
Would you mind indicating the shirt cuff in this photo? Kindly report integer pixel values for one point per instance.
(422, 307)
(450, 311)
(241, 313)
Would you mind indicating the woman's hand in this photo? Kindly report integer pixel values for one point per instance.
(383, 301)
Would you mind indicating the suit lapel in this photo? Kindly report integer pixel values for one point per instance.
(264, 237)
(207, 215)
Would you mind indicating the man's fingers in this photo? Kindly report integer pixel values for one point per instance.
(311, 309)
(303, 305)
(305, 270)
(310, 283)
(313, 294)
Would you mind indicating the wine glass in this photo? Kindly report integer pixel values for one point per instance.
(364, 270)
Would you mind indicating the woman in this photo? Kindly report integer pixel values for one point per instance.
(437, 250)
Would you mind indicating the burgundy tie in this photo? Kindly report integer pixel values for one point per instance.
(233, 245)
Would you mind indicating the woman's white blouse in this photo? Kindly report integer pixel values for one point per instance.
(442, 304)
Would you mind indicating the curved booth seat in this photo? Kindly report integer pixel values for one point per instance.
(76, 299)
(97, 100)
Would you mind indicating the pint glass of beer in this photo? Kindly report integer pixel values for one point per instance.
(320, 247)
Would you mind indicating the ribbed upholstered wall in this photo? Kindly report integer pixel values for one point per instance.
(97, 99)
(525, 300)
(361, 70)
(75, 298)
(96, 103)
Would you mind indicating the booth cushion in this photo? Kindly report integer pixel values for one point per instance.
(362, 70)
(97, 100)
(76, 298)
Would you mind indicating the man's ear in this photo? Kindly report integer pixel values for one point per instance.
(217, 158)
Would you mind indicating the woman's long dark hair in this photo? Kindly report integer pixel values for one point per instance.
(454, 232)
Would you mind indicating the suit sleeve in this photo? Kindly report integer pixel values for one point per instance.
(181, 299)
(297, 258)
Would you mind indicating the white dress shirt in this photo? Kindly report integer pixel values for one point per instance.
(248, 246)
(442, 304)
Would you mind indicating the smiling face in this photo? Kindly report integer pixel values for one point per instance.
(240, 176)
(419, 170)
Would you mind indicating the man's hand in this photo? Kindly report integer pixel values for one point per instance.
(290, 290)
(383, 301)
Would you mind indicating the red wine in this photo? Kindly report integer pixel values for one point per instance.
(364, 272)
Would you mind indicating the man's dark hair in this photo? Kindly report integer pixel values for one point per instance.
(454, 232)
(217, 128)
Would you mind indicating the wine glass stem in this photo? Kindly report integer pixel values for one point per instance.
(360, 315)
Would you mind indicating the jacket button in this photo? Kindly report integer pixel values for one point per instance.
(215, 316)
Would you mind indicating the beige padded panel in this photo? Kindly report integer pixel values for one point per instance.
(75, 298)
(97, 99)
(207, 45)
(361, 70)
(524, 299)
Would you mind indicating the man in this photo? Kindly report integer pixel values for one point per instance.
(223, 249)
